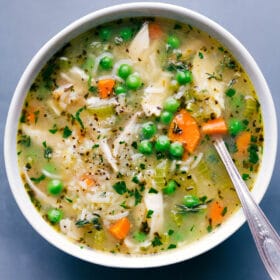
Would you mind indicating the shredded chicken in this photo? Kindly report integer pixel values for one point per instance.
(108, 155)
(140, 43)
(126, 133)
(154, 202)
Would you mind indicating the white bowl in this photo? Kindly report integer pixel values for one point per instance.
(116, 12)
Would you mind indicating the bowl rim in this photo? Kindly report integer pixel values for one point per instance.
(169, 257)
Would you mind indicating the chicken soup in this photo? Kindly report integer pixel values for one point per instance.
(114, 140)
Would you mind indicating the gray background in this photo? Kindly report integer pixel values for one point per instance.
(25, 25)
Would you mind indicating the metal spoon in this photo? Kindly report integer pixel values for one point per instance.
(266, 238)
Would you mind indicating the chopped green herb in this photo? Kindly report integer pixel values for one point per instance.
(81, 223)
(47, 74)
(134, 145)
(152, 190)
(183, 209)
(253, 153)
(123, 205)
(92, 89)
(120, 187)
(224, 211)
(96, 221)
(177, 26)
(203, 199)
(38, 179)
(67, 132)
(209, 228)
(200, 54)
(94, 146)
(47, 151)
(68, 199)
(172, 246)
(25, 140)
(36, 113)
(78, 118)
(230, 92)
(54, 129)
(245, 176)
(135, 180)
(149, 214)
(254, 139)
(170, 232)
(156, 241)
(137, 196)
(214, 76)
(142, 166)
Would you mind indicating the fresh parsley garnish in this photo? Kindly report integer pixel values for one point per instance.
(149, 214)
(38, 179)
(47, 151)
(120, 187)
(67, 132)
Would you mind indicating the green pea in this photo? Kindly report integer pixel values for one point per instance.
(230, 92)
(120, 89)
(173, 42)
(235, 126)
(54, 215)
(191, 201)
(148, 130)
(145, 147)
(162, 144)
(184, 77)
(124, 70)
(55, 187)
(166, 117)
(176, 149)
(126, 33)
(106, 62)
(170, 188)
(105, 34)
(171, 105)
(133, 81)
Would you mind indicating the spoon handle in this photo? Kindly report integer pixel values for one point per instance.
(265, 236)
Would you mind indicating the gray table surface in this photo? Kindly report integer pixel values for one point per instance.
(25, 25)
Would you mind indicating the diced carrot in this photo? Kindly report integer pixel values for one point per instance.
(105, 87)
(120, 229)
(215, 126)
(243, 140)
(155, 31)
(215, 213)
(184, 129)
(31, 117)
(88, 180)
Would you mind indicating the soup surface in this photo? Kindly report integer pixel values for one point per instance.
(114, 139)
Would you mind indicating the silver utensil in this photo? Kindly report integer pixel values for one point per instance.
(266, 238)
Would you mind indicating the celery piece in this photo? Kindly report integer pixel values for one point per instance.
(161, 172)
(250, 107)
(102, 112)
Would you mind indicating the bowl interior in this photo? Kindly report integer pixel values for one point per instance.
(84, 24)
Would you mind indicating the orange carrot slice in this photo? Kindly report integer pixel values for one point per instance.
(105, 87)
(184, 129)
(88, 180)
(215, 126)
(242, 142)
(215, 213)
(155, 31)
(120, 229)
(31, 117)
